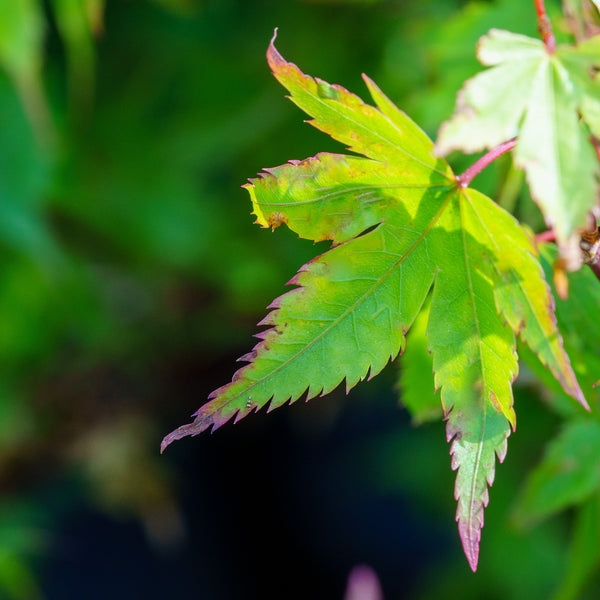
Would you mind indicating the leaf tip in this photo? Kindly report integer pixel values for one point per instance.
(203, 420)
(581, 399)
(189, 429)
(272, 48)
(256, 209)
(470, 543)
(473, 560)
(274, 58)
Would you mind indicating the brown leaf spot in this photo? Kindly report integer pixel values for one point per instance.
(494, 401)
(277, 219)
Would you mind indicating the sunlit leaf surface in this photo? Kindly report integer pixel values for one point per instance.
(538, 97)
(401, 227)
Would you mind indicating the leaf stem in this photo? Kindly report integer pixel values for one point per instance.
(590, 234)
(545, 236)
(545, 26)
(465, 178)
(596, 145)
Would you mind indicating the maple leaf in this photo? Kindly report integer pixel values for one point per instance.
(539, 97)
(416, 383)
(401, 226)
(582, 17)
(577, 317)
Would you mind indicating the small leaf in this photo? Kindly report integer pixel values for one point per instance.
(584, 554)
(77, 22)
(474, 450)
(538, 97)
(21, 54)
(401, 226)
(568, 474)
(577, 317)
(21, 38)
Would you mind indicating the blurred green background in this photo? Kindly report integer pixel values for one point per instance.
(132, 277)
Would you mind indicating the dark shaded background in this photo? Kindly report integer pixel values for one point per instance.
(132, 278)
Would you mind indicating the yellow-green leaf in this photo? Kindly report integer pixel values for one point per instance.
(401, 226)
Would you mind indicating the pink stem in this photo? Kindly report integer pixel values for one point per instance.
(596, 145)
(465, 178)
(545, 26)
(545, 236)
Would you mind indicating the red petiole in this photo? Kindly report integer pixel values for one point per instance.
(465, 178)
(545, 26)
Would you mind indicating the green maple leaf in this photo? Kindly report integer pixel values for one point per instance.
(401, 225)
(552, 103)
(577, 318)
(416, 382)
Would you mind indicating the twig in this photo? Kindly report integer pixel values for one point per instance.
(545, 26)
(596, 145)
(465, 178)
(545, 236)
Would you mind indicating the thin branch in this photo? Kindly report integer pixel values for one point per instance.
(596, 145)
(545, 26)
(465, 178)
(545, 236)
